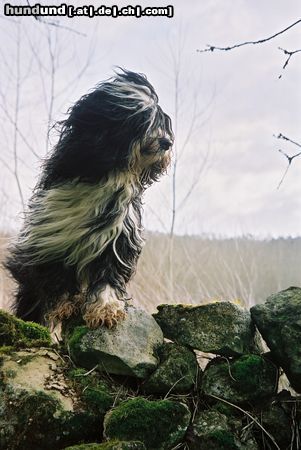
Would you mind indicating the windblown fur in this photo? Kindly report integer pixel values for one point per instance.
(82, 233)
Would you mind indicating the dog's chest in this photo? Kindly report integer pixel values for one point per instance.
(76, 222)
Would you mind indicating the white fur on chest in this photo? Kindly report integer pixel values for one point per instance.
(57, 226)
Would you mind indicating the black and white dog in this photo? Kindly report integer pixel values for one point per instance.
(82, 232)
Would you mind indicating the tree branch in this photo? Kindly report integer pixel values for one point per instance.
(56, 24)
(289, 158)
(290, 54)
(212, 48)
(285, 138)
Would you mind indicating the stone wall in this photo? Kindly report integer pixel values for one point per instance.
(188, 377)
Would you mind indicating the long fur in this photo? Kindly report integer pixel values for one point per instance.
(82, 233)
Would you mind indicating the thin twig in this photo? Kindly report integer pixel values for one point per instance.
(290, 54)
(16, 128)
(86, 373)
(285, 138)
(56, 24)
(211, 48)
(16, 118)
(229, 368)
(290, 159)
(250, 416)
(9, 19)
(7, 166)
(180, 379)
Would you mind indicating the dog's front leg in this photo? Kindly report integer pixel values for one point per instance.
(104, 308)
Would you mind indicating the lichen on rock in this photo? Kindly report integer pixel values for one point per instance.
(211, 431)
(178, 371)
(222, 327)
(279, 322)
(87, 393)
(93, 390)
(128, 349)
(248, 379)
(39, 407)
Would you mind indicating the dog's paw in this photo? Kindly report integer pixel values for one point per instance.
(107, 310)
(68, 306)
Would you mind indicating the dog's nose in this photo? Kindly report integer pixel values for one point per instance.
(165, 144)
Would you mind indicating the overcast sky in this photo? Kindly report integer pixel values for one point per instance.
(231, 102)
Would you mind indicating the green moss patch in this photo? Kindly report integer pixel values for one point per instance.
(158, 424)
(35, 421)
(250, 378)
(19, 334)
(110, 445)
(75, 338)
(247, 372)
(176, 373)
(222, 440)
(93, 390)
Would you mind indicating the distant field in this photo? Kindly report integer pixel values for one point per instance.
(196, 269)
(202, 269)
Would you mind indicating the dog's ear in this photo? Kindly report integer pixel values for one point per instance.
(93, 141)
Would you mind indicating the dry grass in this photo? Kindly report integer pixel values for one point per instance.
(198, 269)
(6, 283)
(242, 269)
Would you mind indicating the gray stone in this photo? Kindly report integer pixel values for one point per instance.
(211, 431)
(221, 328)
(38, 407)
(127, 349)
(159, 424)
(248, 379)
(177, 372)
(208, 428)
(277, 421)
(279, 322)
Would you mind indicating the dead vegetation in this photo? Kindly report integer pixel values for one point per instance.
(243, 269)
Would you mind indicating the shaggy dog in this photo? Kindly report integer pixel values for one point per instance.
(82, 233)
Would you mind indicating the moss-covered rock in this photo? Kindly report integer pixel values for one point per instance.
(212, 430)
(177, 372)
(110, 445)
(222, 328)
(95, 391)
(38, 407)
(35, 421)
(91, 446)
(17, 333)
(127, 349)
(158, 424)
(279, 322)
(277, 421)
(250, 378)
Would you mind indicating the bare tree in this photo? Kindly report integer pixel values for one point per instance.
(189, 117)
(186, 102)
(31, 68)
(28, 75)
(289, 55)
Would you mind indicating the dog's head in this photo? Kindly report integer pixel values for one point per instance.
(117, 126)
